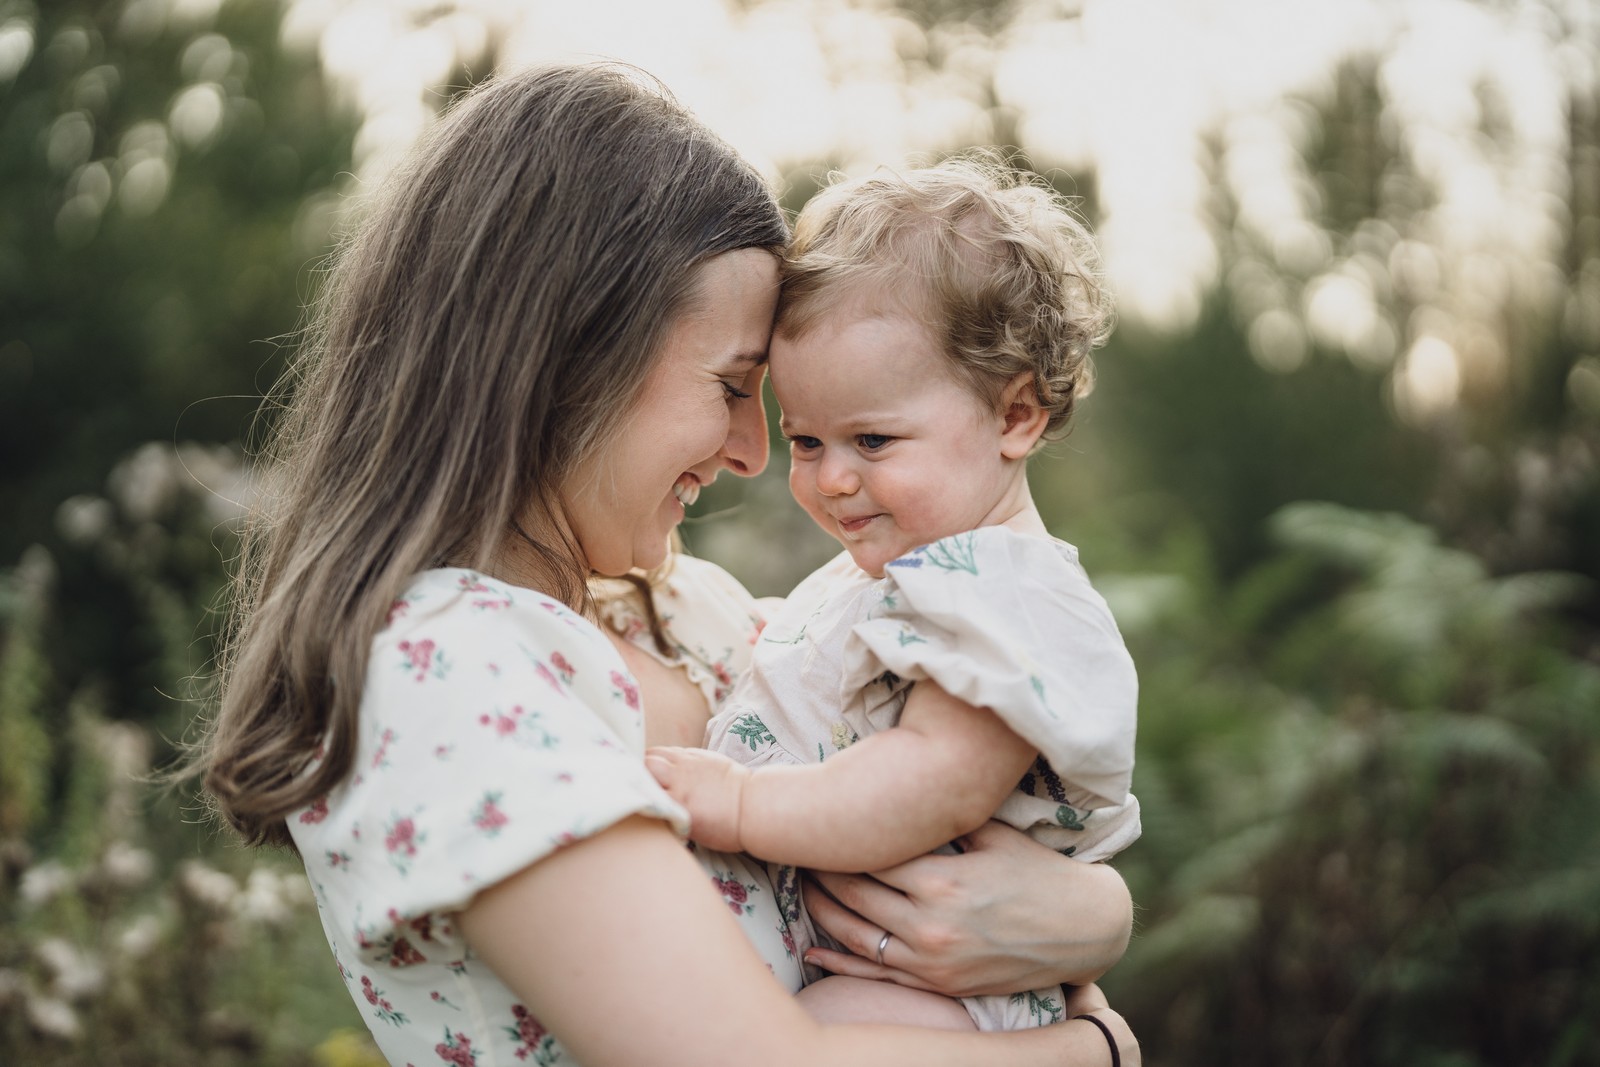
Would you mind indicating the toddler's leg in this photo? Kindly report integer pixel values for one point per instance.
(840, 998)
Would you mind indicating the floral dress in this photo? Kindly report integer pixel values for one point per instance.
(712, 622)
(999, 619)
(496, 726)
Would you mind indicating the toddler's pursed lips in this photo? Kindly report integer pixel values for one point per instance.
(853, 525)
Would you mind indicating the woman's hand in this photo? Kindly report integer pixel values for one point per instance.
(1006, 915)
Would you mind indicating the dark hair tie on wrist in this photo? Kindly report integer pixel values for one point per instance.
(1116, 1057)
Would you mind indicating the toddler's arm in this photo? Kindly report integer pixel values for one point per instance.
(897, 794)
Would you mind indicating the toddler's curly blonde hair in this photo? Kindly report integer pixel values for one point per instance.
(992, 260)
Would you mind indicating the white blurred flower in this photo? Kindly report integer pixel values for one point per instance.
(54, 1018)
(10, 986)
(296, 890)
(84, 519)
(219, 475)
(75, 973)
(208, 887)
(145, 482)
(263, 899)
(125, 747)
(140, 936)
(125, 866)
(44, 882)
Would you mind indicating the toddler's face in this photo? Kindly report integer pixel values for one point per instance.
(888, 452)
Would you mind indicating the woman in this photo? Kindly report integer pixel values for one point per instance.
(545, 338)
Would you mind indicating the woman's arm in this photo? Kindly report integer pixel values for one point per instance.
(937, 775)
(1007, 914)
(617, 947)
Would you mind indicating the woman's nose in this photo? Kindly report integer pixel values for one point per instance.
(745, 450)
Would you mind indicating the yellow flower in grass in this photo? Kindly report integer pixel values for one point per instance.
(348, 1048)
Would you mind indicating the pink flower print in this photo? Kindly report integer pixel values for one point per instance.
(755, 634)
(788, 939)
(720, 669)
(503, 724)
(530, 1035)
(422, 925)
(456, 1048)
(442, 752)
(544, 672)
(439, 998)
(628, 690)
(404, 954)
(559, 662)
(338, 860)
(488, 817)
(400, 839)
(376, 998)
(397, 610)
(471, 583)
(735, 894)
(380, 758)
(316, 812)
(520, 724)
(402, 836)
(425, 658)
(457, 967)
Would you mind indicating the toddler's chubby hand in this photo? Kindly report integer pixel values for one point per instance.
(710, 785)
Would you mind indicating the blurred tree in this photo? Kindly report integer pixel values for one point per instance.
(1370, 783)
(163, 173)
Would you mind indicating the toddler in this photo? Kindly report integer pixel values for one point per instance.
(954, 663)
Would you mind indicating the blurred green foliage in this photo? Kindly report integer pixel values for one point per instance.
(161, 179)
(1368, 752)
(166, 181)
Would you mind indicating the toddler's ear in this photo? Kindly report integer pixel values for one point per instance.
(1024, 420)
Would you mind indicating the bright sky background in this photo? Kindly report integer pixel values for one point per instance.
(1127, 90)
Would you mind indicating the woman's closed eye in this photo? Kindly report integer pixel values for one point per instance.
(735, 393)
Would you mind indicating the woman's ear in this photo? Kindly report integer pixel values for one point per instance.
(1023, 419)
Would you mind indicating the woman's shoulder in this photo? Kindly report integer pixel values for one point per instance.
(468, 605)
(481, 639)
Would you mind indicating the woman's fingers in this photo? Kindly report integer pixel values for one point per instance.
(860, 967)
(859, 935)
(834, 902)
(860, 906)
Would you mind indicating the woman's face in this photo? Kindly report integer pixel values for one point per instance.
(700, 411)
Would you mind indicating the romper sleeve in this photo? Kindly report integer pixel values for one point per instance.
(496, 727)
(1010, 622)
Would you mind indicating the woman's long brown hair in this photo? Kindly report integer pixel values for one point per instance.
(487, 326)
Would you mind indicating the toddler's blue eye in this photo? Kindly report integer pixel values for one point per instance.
(873, 441)
(803, 443)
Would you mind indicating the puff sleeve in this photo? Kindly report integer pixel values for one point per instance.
(1010, 622)
(496, 727)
